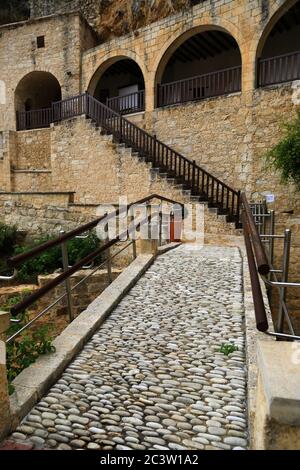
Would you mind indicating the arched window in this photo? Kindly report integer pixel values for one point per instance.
(34, 96)
(120, 85)
(279, 49)
(205, 64)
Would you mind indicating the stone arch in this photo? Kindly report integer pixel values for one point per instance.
(110, 59)
(174, 43)
(37, 90)
(277, 49)
(276, 13)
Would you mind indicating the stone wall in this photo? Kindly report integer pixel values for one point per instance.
(40, 214)
(33, 150)
(152, 46)
(66, 36)
(82, 296)
(229, 136)
(84, 161)
(31, 180)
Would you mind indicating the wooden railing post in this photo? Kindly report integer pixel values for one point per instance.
(194, 178)
(238, 208)
(86, 104)
(154, 149)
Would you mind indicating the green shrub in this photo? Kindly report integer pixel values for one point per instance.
(51, 260)
(285, 156)
(8, 237)
(45, 263)
(26, 347)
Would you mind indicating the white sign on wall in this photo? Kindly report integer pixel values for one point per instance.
(270, 198)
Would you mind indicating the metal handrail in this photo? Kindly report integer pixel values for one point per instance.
(260, 254)
(259, 306)
(257, 258)
(15, 261)
(61, 297)
(65, 276)
(61, 240)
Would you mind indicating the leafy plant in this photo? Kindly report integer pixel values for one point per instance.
(26, 347)
(51, 260)
(11, 301)
(228, 348)
(285, 156)
(8, 237)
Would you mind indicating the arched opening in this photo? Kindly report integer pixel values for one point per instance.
(202, 65)
(120, 85)
(34, 96)
(279, 50)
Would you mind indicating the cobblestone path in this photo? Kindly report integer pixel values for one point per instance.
(153, 376)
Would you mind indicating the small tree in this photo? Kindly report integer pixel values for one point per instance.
(285, 156)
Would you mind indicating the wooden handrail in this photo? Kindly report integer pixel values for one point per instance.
(187, 172)
(195, 88)
(279, 69)
(126, 104)
(163, 156)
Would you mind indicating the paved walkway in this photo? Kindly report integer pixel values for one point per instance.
(153, 377)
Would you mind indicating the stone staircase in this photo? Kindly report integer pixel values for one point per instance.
(216, 220)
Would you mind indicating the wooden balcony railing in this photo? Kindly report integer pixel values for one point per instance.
(212, 84)
(34, 119)
(279, 69)
(128, 104)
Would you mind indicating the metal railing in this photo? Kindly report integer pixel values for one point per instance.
(64, 277)
(196, 88)
(128, 104)
(186, 172)
(258, 228)
(279, 69)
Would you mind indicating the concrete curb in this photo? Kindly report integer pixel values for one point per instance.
(34, 382)
(253, 337)
(280, 360)
(165, 248)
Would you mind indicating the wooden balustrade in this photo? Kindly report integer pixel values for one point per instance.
(202, 86)
(128, 104)
(279, 69)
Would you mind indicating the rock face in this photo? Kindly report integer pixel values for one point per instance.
(113, 17)
(14, 10)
